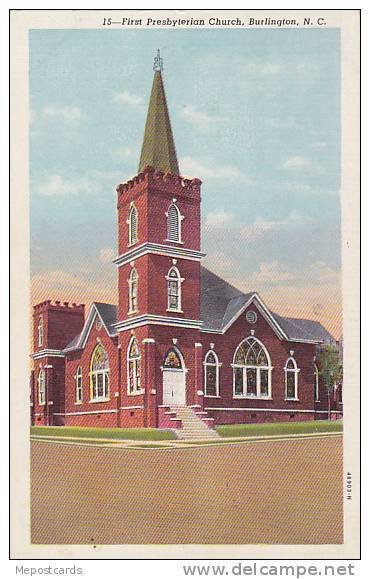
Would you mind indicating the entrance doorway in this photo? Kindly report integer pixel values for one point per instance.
(174, 379)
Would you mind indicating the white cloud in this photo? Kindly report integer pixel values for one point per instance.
(194, 168)
(218, 218)
(91, 183)
(318, 146)
(271, 272)
(56, 185)
(276, 273)
(199, 119)
(68, 113)
(58, 279)
(126, 153)
(297, 162)
(107, 254)
(128, 98)
(262, 226)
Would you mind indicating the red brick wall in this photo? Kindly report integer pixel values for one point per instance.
(279, 351)
(152, 193)
(61, 324)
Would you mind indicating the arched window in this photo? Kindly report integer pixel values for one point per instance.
(133, 367)
(79, 385)
(316, 383)
(99, 375)
(42, 387)
(291, 379)
(211, 374)
(172, 360)
(173, 223)
(40, 331)
(132, 291)
(174, 281)
(132, 225)
(252, 370)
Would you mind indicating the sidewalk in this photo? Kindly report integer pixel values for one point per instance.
(158, 444)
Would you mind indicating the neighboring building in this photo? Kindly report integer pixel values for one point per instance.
(180, 335)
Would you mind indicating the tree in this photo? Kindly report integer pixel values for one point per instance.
(330, 369)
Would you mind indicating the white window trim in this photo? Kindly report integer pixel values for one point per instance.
(180, 220)
(296, 371)
(179, 281)
(269, 369)
(106, 388)
(316, 375)
(131, 282)
(43, 380)
(133, 209)
(217, 365)
(140, 390)
(78, 376)
(40, 331)
(258, 396)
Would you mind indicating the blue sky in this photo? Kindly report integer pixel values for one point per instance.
(255, 115)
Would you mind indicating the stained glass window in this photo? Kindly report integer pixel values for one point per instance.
(174, 289)
(42, 387)
(79, 385)
(99, 374)
(252, 381)
(238, 381)
(211, 374)
(172, 360)
(40, 331)
(133, 291)
(291, 379)
(134, 360)
(252, 369)
(316, 382)
(264, 382)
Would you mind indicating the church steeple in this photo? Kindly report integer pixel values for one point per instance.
(158, 148)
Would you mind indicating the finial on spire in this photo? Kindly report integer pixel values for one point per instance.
(158, 62)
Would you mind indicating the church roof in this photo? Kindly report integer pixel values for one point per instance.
(158, 148)
(108, 316)
(220, 304)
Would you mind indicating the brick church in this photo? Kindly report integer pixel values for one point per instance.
(181, 339)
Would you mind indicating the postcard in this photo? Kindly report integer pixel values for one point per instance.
(185, 311)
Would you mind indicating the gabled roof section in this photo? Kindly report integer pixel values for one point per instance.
(107, 314)
(219, 300)
(222, 304)
(158, 148)
(298, 328)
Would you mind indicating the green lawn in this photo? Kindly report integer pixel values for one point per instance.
(271, 428)
(115, 433)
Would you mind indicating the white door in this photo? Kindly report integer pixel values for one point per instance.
(173, 387)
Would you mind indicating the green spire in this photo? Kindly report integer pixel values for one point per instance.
(158, 148)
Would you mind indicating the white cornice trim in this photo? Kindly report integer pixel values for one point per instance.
(264, 311)
(113, 411)
(153, 319)
(159, 249)
(48, 352)
(89, 322)
(291, 410)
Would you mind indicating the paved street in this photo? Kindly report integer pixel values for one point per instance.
(266, 492)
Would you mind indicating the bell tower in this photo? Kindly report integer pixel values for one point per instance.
(159, 230)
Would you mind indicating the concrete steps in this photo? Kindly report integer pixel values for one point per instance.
(195, 425)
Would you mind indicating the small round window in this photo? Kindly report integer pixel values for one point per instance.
(251, 317)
